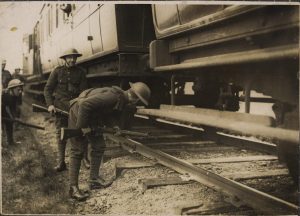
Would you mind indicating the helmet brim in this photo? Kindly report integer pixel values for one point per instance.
(77, 55)
(14, 86)
(137, 94)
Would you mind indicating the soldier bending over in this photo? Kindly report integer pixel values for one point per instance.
(94, 108)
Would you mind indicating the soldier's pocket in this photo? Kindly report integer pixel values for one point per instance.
(74, 84)
(63, 83)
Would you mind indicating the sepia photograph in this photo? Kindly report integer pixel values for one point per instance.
(149, 107)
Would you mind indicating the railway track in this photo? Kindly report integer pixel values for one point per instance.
(192, 170)
(245, 171)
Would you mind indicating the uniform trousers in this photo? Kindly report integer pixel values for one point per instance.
(8, 127)
(60, 121)
(78, 149)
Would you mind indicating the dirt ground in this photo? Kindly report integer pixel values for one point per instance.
(125, 196)
(29, 184)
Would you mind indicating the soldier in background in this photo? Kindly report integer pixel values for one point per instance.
(92, 109)
(9, 105)
(66, 83)
(18, 76)
(6, 76)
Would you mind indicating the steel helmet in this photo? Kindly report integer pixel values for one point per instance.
(142, 91)
(14, 83)
(70, 51)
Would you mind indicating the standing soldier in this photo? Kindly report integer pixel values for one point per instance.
(9, 104)
(6, 76)
(66, 82)
(92, 109)
(18, 76)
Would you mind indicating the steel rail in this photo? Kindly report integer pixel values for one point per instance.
(245, 117)
(241, 142)
(243, 128)
(239, 193)
(219, 137)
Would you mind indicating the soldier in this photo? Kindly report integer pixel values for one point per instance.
(9, 104)
(6, 76)
(66, 82)
(93, 108)
(17, 75)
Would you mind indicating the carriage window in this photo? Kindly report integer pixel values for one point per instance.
(189, 13)
(48, 24)
(166, 16)
(170, 16)
(42, 32)
(56, 15)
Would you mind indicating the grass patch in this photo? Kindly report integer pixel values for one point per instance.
(29, 183)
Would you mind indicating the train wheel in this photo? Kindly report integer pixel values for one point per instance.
(229, 97)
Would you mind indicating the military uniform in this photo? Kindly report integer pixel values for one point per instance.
(94, 108)
(8, 106)
(66, 84)
(19, 100)
(6, 77)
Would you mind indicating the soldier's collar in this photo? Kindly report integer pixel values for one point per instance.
(123, 92)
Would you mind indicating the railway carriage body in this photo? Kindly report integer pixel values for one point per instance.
(113, 39)
(226, 49)
(248, 47)
(221, 50)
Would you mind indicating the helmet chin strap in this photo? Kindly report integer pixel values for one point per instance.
(68, 65)
(12, 92)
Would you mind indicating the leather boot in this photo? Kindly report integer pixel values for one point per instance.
(61, 167)
(99, 183)
(77, 194)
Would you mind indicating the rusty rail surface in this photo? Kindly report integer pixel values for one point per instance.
(239, 194)
(219, 137)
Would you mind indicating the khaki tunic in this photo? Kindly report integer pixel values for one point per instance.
(66, 84)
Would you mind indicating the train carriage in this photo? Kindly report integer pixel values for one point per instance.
(226, 49)
(221, 51)
(114, 41)
(247, 47)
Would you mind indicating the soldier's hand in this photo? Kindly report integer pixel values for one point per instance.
(85, 131)
(51, 109)
(117, 130)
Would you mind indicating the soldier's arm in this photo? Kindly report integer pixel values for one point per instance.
(5, 100)
(9, 112)
(50, 86)
(90, 104)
